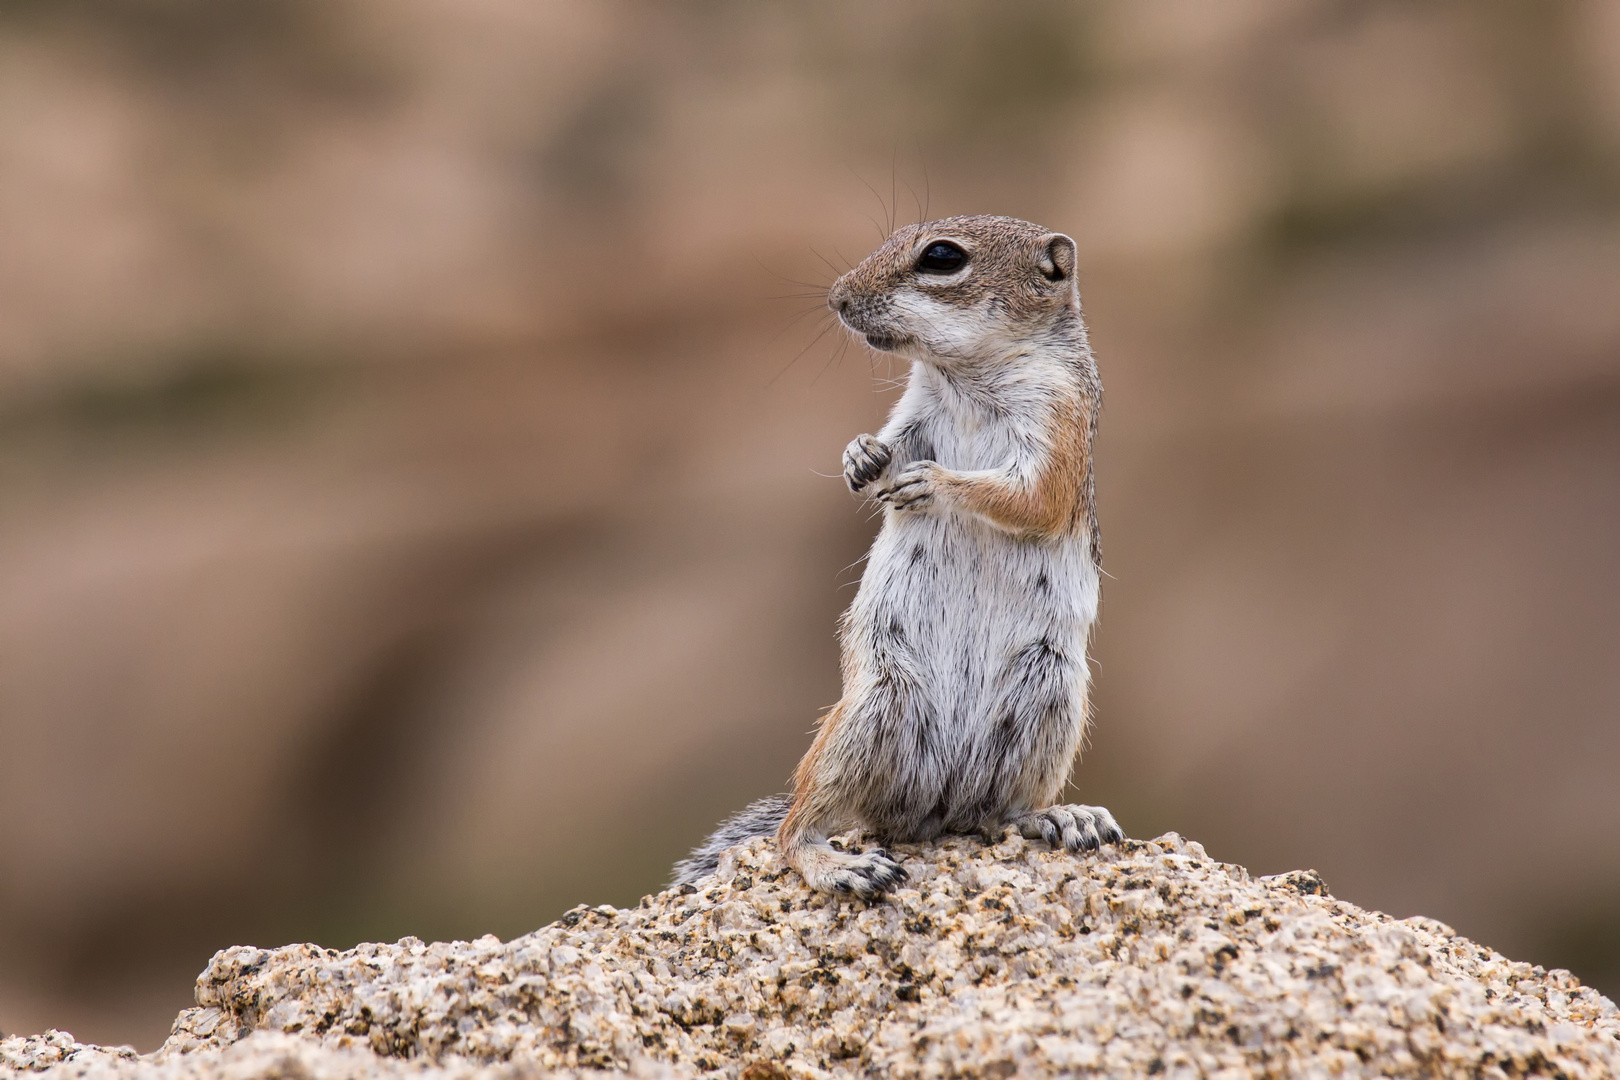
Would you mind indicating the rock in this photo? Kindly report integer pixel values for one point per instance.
(264, 1055)
(32, 1053)
(1148, 959)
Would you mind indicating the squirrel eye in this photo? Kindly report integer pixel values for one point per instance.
(942, 257)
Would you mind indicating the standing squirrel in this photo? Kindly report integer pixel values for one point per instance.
(964, 651)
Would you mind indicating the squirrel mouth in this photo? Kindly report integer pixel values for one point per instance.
(885, 342)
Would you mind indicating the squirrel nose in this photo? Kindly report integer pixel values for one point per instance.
(838, 298)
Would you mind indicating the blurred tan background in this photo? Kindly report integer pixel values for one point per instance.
(417, 510)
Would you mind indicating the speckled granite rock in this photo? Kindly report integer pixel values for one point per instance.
(263, 1055)
(1149, 959)
(29, 1053)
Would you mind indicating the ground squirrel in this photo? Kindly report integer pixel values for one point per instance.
(964, 651)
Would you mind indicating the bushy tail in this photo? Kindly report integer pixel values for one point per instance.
(760, 818)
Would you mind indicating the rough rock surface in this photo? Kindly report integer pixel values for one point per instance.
(1148, 959)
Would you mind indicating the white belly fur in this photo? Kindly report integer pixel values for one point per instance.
(973, 598)
(950, 603)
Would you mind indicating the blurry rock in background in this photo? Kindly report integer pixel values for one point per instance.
(417, 510)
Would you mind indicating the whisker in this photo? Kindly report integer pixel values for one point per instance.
(819, 286)
(836, 272)
(823, 333)
(790, 323)
(927, 189)
(917, 201)
(879, 198)
(836, 354)
(894, 195)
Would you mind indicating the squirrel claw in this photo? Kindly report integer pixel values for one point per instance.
(870, 876)
(1076, 828)
(913, 489)
(865, 458)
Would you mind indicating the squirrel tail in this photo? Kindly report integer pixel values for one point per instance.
(761, 818)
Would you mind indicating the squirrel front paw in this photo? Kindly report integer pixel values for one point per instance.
(914, 489)
(865, 458)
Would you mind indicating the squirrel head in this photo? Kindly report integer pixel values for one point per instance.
(963, 290)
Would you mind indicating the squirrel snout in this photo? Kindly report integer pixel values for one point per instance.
(854, 310)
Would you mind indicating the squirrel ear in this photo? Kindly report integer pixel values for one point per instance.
(1057, 257)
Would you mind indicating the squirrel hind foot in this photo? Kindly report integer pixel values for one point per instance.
(870, 875)
(1077, 828)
